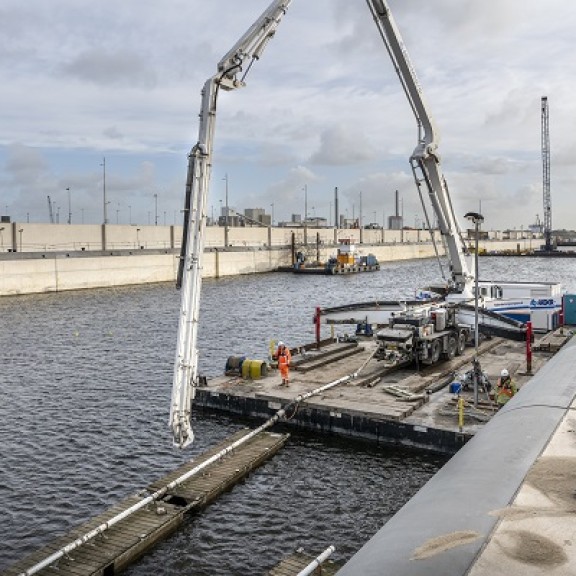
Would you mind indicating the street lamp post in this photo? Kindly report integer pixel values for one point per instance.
(69, 206)
(360, 219)
(305, 213)
(104, 190)
(155, 209)
(477, 219)
(226, 214)
(272, 205)
(20, 231)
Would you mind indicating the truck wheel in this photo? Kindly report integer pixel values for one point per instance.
(452, 347)
(435, 349)
(460, 344)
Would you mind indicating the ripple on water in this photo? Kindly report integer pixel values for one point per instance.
(85, 386)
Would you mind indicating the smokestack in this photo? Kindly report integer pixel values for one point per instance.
(336, 215)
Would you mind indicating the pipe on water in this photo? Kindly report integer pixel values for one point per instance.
(317, 562)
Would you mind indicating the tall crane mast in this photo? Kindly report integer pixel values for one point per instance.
(425, 160)
(546, 176)
(229, 76)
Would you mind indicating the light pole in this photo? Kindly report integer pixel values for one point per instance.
(360, 218)
(226, 215)
(2, 239)
(477, 219)
(138, 237)
(69, 206)
(20, 231)
(104, 190)
(155, 209)
(305, 213)
(272, 205)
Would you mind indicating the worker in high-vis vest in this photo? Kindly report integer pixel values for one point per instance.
(284, 359)
(505, 388)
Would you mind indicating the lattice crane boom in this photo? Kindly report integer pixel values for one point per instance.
(546, 175)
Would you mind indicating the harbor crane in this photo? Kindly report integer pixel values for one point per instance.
(548, 246)
(231, 73)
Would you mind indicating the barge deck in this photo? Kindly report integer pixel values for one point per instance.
(388, 406)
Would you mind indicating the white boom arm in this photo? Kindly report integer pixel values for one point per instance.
(246, 50)
(425, 160)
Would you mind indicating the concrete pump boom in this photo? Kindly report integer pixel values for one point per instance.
(248, 49)
(425, 160)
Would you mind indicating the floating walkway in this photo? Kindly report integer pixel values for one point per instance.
(110, 542)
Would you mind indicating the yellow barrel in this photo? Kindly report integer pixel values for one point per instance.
(254, 369)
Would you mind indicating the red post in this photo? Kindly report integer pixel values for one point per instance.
(529, 348)
(317, 322)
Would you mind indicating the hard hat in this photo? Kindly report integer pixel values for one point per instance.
(504, 373)
(280, 343)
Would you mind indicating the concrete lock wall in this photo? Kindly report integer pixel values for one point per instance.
(53, 257)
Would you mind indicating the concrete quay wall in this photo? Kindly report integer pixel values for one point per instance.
(26, 237)
(36, 258)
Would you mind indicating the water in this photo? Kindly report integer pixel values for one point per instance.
(85, 382)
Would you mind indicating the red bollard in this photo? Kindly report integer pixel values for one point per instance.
(529, 348)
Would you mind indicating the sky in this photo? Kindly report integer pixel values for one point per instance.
(113, 88)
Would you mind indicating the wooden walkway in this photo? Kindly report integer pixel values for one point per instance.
(295, 563)
(120, 545)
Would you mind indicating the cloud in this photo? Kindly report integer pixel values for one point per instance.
(340, 145)
(111, 69)
(123, 80)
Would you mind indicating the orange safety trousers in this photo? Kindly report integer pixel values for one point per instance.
(283, 365)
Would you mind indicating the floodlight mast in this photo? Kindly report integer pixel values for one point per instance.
(248, 49)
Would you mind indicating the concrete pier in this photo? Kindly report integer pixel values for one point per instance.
(504, 504)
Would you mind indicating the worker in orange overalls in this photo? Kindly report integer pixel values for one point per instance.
(284, 358)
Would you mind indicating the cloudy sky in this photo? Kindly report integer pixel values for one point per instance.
(121, 80)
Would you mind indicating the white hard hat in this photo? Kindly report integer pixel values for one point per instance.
(504, 373)
(280, 343)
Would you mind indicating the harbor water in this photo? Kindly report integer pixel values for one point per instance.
(85, 382)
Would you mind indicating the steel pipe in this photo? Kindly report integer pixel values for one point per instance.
(317, 562)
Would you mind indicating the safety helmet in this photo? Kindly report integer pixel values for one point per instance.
(504, 373)
(280, 343)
